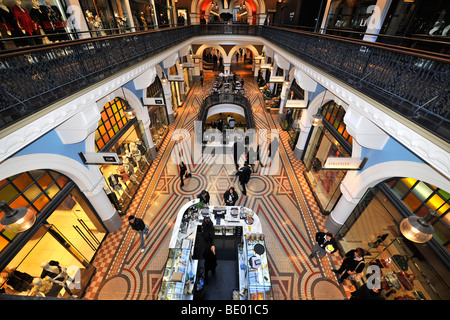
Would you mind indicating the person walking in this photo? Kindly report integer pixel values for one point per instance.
(201, 79)
(183, 170)
(352, 263)
(325, 243)
(364, 293)
(244, 174)
(230, 196)
(140, 227)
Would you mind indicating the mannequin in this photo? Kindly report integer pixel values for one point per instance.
(56, 19)
(41, 18)
(142, 149)
(25, 22)
(57, 274)
(132, 160)
(129, 169)
(115, 184)
(8, 25)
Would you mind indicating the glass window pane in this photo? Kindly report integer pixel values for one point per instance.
(45, 181)
(19, 202)
(22, 181)
(412, 201)
(8, 192)
(32, 192)
(52, 191)
(400, 189)
(41, 202)
(422, 191)
(409, 182)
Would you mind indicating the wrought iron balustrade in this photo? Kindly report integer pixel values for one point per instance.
(413, 84)
(33, 79)
(232, 98)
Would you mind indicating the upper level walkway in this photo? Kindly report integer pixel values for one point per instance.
(411, 83)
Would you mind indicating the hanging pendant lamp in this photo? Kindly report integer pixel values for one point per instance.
(16, 220)
(418, 229)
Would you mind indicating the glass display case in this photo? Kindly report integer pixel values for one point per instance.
(179, 274)
(257, 272)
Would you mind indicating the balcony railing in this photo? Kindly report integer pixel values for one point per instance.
(414, 84)
(231, 98)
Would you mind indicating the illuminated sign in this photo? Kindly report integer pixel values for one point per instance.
(342, 163)
(296, 104)
(100, 158)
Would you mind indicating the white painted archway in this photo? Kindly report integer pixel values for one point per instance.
(90, 182)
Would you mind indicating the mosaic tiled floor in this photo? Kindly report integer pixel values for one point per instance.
(282, 199)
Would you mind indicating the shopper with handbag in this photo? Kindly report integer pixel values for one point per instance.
(351, 265)
(183, 173)
(324, 244)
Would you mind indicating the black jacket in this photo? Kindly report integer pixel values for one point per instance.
(183, 169)
(204, 198)
(323, 242)
(234, 197)
(352, 264)
(138, 224)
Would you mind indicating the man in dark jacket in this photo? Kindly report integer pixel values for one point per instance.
(139, 226)
(230, 196)
(352, 263)
(244, 174)
(204, 197)
(325, 243)
(183, 169)
(364, 293)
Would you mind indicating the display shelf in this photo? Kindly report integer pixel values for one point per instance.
(178, 277)
(258, 275)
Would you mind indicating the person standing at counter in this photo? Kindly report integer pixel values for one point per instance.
(204, 197)
(139, 226)
(230, 196)
(208, 230)
(210, 260)
(325, 244)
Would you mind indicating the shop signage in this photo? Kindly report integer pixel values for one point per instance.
(296, 104)
(343, 163)
(153, 101)
(265, 66)
(176, 78)
(188, 65)
(100, 158)
(276, 79)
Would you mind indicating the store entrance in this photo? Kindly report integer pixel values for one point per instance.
(69, 237)
(26, 275)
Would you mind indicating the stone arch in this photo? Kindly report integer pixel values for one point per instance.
(84, 178)
(356, 185)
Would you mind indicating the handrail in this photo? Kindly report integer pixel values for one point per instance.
(228, 97)
(411, 82)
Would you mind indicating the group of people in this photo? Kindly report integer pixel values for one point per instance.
(352, 265)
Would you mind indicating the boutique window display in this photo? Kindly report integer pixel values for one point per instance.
(329, 140)
(292, 115)
(52, 258)
(141, 15)
(407, 271)
(159, 123)
(124, 136)
(22, 18)
(105, 17)
(350, 14)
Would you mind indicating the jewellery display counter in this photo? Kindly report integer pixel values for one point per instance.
(241, 222)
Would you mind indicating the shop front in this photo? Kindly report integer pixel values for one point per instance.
(67, 232)
(120, 132)
(408, 270)
(106, 17)
(292, 115)
(329, 140)
(49, 17)
(142, 15)
(159, 121)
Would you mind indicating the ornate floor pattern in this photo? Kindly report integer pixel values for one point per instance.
(282, 199)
